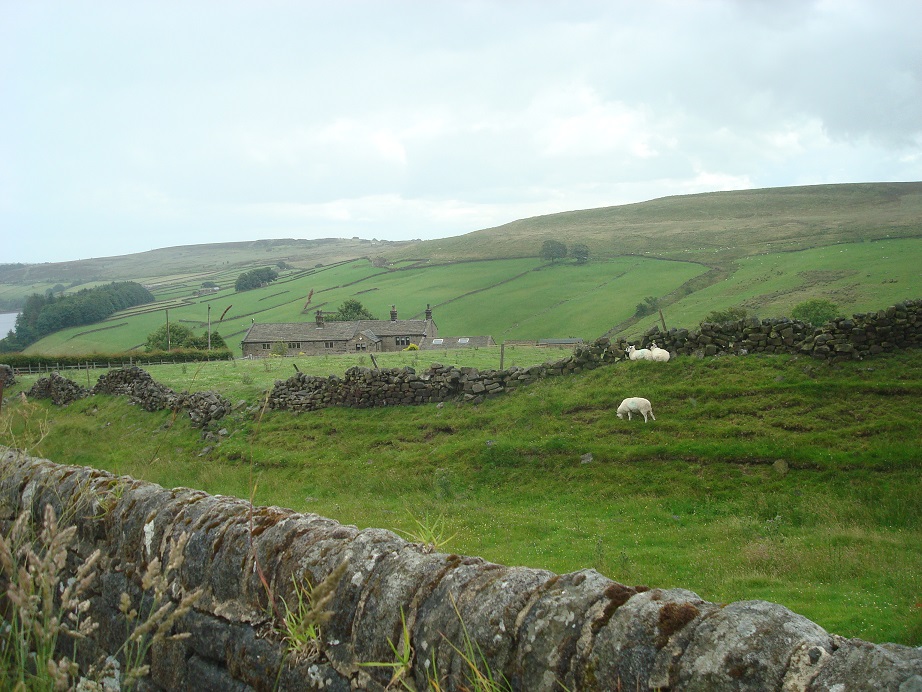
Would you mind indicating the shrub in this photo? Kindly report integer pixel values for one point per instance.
(816, 312)
(647, 307)
(728, 315)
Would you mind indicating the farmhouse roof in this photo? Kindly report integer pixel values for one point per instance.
(443, 342)
(332, 331)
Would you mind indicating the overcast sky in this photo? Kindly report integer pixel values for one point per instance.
(131, 125)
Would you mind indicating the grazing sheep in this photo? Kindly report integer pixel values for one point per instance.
(636, 404)
(658, 354)
(638, 353)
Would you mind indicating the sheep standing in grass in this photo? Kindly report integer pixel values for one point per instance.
(638, 405)
(638, 353)
(658, 354)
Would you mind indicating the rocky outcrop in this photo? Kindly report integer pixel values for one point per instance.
(536, 629)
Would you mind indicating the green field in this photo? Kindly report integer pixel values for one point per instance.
(507, 299)
(697, 499)
(526, 298)
(857, 245)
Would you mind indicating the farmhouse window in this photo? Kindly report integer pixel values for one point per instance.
(436, 342)
(463, 340)
(403, 341)
(266, 347)
(361, 347)
(294, 344)
(328, 344)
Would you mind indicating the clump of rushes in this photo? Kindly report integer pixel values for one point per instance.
(429, 534)
(301, 626)
(402, 665)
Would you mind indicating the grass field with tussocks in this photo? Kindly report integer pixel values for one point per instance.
(780, 478)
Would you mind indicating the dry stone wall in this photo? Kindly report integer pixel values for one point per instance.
(60, 390)
(851, 338)
(7, 378)
(141, 389)
(863, 335)
(536, 629)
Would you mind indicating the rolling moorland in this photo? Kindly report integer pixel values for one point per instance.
(779, 477)
(764, 250)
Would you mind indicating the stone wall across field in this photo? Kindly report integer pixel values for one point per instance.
(535, 629)
(843, 339)
(860, 336)
(141, 389)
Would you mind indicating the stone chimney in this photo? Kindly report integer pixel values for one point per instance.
(428, 312)
(318, 318)
(393, 313)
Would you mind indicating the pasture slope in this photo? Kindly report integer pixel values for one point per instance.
(765, 250)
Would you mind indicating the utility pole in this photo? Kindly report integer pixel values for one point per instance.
(209, 326)
(167, 330)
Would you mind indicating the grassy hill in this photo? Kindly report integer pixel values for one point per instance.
(697, 499)
(716, 227)
(765, 250)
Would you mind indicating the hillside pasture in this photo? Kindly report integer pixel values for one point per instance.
(528, 299)
(714, 228)
(507, 299)
(767, 250)
(780, 478)
(858, 277)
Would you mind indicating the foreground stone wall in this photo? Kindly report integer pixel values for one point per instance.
(860, 336)
(537, 629)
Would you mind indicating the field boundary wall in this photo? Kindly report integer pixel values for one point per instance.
(860, 336)
(538, 630)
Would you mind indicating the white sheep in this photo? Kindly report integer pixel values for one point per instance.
(636, 404)
(638, 353)
(658, 354)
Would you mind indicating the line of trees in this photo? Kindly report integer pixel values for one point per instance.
(255, 278)
(553, 250)
(180, 336)
(43, 314)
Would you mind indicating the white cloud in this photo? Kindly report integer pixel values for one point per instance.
(201, 122)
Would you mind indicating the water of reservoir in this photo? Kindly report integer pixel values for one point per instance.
(7, 322)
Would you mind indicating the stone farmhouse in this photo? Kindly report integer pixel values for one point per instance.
(376, 336)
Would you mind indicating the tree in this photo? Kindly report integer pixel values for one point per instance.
(553, 250)
(580, 252)
(179, 338)
(201, 342)
(647, 307)
(42, 315)
(255, 278)
(816, 312)
(351, 310)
